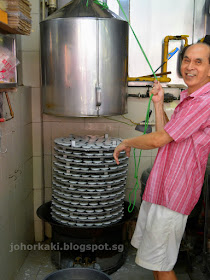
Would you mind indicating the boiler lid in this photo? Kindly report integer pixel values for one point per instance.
(83, 8)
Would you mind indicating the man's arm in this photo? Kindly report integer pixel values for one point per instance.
(161, 118)
(158, 99)
(144, 142)
(152, 140)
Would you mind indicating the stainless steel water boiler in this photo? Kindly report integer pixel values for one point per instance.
(84, 60)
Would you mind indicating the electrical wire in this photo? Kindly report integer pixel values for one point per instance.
(108, 118)
(132, 122)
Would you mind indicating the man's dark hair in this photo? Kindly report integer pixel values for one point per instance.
(207, 40)
(184, 51)
(185, 48)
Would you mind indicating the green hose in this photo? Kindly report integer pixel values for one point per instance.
(100, 3)
(136, 187)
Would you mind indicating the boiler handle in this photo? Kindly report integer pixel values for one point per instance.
(98, 96)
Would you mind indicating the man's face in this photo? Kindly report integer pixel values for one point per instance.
(195, 67)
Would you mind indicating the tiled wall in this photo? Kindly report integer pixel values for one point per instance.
(16, 183)
(29, 74)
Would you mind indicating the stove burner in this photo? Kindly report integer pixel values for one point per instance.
(103, 248)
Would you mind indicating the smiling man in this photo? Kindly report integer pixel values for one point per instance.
(195, 66)
(177, 176)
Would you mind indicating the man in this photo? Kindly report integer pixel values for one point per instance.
(175, 182)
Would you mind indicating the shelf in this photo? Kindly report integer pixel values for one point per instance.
(6, 29)
(8, 87)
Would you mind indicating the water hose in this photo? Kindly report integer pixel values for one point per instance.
(100, 3)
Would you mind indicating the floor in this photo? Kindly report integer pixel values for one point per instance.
(38, 265)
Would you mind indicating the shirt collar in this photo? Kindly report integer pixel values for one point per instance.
(198, 92)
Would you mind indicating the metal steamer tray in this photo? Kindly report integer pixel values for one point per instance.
(88, 186)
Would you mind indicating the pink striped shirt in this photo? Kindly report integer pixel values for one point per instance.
(178, 173)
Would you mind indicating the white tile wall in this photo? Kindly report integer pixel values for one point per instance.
(38, 201)
(31, 43)
(27, 141)
(37, 139)
(39, 230)
(25, 101)
(28, 171)
(35, 7)
(16, 183)
(37, 172)
(35, 105)
(66, 128)
(48, 194)
(48, 174)
(47, 137)
(30, 68)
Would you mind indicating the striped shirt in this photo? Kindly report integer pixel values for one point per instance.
(177, 176)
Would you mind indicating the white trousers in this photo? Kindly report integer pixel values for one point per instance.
(158, 236)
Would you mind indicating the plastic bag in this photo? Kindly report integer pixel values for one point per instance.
(8, 62)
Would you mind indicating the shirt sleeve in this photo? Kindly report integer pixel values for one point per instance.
(189, 119)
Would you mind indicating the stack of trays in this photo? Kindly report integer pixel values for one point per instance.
(88, 186)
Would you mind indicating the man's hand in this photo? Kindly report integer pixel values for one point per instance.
(121, 147)
(158, 93)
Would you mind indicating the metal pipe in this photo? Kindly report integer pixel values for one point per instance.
(149, 79)
(43, 9)
(165, 53)
(143, 78)
(52, 3)
(52, 6)
(164, 78)
(98, 89)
